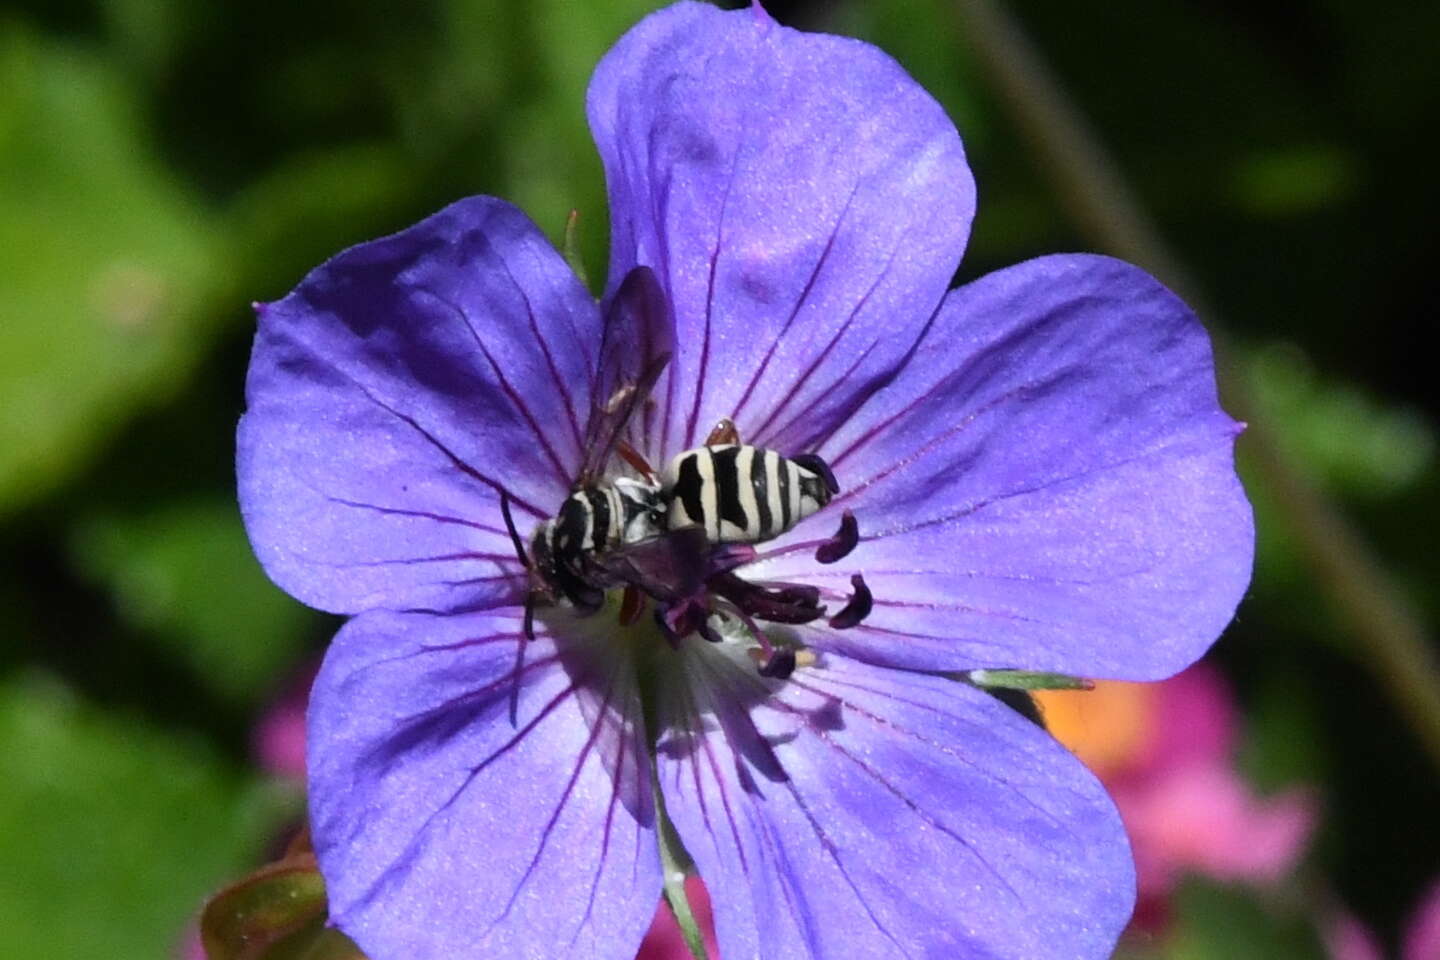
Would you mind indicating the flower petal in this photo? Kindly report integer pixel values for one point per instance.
(804, 201)
(1048, 486)
(856, 811)
(395, 392)
(445, 830)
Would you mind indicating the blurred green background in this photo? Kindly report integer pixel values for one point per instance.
(165, 162)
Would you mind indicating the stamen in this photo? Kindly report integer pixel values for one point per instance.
(857, 609)
(728, 556)
(779, 665)
(772, 662)
(846, 539)
(670, 636)
(683, 618)
(782, 603)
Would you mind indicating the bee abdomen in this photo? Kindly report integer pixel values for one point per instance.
(740, 493)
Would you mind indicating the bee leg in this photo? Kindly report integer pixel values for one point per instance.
(780, 664)
(514, 534)
(633, 457)
(632, 604)
(723, 433)
(526, 635)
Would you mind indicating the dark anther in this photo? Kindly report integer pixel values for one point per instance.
(840, 545)
(817, 465)
(857, 609)
(780, 665)
(786, 603)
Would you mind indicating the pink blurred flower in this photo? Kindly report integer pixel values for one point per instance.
(1346, 938)
(1422, 939)
(191, 947)
(1203, 817)
(1166, 754)
(279, 737)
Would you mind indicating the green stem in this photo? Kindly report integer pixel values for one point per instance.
(674, 864)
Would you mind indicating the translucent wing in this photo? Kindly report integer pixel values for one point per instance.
(637, 343)
(669, 567)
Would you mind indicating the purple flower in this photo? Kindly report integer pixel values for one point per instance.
(1038, 470)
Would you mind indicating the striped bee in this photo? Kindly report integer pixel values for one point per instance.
(739, 493)
(579, 553)
(594, 520)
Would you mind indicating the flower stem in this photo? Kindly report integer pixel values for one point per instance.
(674, 863)
(1391, 637)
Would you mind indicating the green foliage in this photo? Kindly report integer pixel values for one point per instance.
(1217, 921)
(1353, 442)
(184, 574)
(277, 913)
(115, 830)
(109, 263)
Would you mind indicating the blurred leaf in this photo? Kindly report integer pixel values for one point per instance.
(1355, 444)
(245, 920)
(328, 944)
(276, 913)
(556, 167)
(1282, 746)
(1213, 921)
(314, 204)
(1293, 180)
(185, 573)
(106, 262)
(114, 829)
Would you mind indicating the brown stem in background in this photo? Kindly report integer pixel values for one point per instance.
(1390, 638)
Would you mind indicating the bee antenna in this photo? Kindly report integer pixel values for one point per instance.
(514, 534)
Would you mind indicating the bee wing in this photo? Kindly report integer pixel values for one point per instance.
(668, 567)
(635, 348)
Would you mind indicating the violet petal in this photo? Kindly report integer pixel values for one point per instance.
(395, 391)
(803, 200)
(532, 839)
(856, 811)
(1049, 486)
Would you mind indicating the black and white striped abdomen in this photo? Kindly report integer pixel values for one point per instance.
(741, 494)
